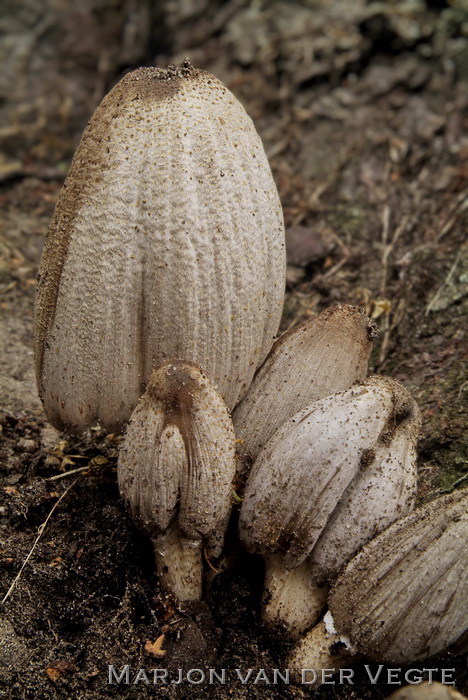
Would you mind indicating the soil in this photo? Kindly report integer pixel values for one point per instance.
(363, 109)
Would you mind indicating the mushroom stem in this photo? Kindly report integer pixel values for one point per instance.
(321, 648)
(176, 467)
(179, 563)
(291, 596)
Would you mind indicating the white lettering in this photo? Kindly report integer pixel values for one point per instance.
(416, 679)
(141, 677)
(430, 671)
(347, 673)
(195, 680)
(413, 679)
(159, 675)
(113, 677)
(373, 679)
(304, 673)
(327, 674)
(244, 679)
(179, 680)
(282, 676)
(447, 673)
(262, 676)
(391, 676)
(214, 674)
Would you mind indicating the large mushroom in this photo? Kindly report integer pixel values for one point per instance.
(332, 477)
(175, 470)
(403, 598)
(167, 242)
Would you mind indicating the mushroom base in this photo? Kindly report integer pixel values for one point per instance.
(179, 564)
(291, 596)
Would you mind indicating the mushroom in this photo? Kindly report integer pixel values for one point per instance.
(320, 357)
(332, 477)
(175, 470)
(403, 598)
(427, 691)
(167, 241)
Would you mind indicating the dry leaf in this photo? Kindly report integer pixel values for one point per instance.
(11, 491)
(59, 669)
(155, 649)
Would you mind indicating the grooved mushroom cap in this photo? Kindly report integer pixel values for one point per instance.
(383, 490)
(312, 467)
(167, 242)
(404, 597)
(177, 461)
(320, 357)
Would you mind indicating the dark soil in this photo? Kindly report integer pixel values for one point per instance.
(363, 109)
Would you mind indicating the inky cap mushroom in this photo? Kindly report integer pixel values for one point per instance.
(167, 241)
(329, 479)
(404, 597)
(176, 468)
(320, 357)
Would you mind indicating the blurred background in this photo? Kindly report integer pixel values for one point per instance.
(294, 60)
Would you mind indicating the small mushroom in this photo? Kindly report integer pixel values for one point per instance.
(167, 241)
(403, 598)
(332, 477)
(320, 357)
(175, 470)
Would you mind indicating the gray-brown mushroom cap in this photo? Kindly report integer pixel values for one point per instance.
(177, 461)
(310, 463)
(322, 356)
(404, 597)
(167, 241)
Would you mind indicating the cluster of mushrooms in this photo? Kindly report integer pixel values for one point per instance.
(159, 297)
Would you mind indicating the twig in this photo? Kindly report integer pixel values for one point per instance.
(39, 535)
(335, 268)
(389, 328)
(456, 483)
(436, 296)
(460, 206)
(72, 471)
(388, 247)
(207, 559)
(387, 250)
(385, 340)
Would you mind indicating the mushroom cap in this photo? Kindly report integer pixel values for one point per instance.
(427, 691)
(311, 462)
(404, 597)
(383, 490)
(167, 241)
(177, 460)
(322, 356)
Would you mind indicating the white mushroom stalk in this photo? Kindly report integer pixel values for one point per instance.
(329, 479)
(176, 468)
(403, 598)
(320, 357)
(167, 241)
